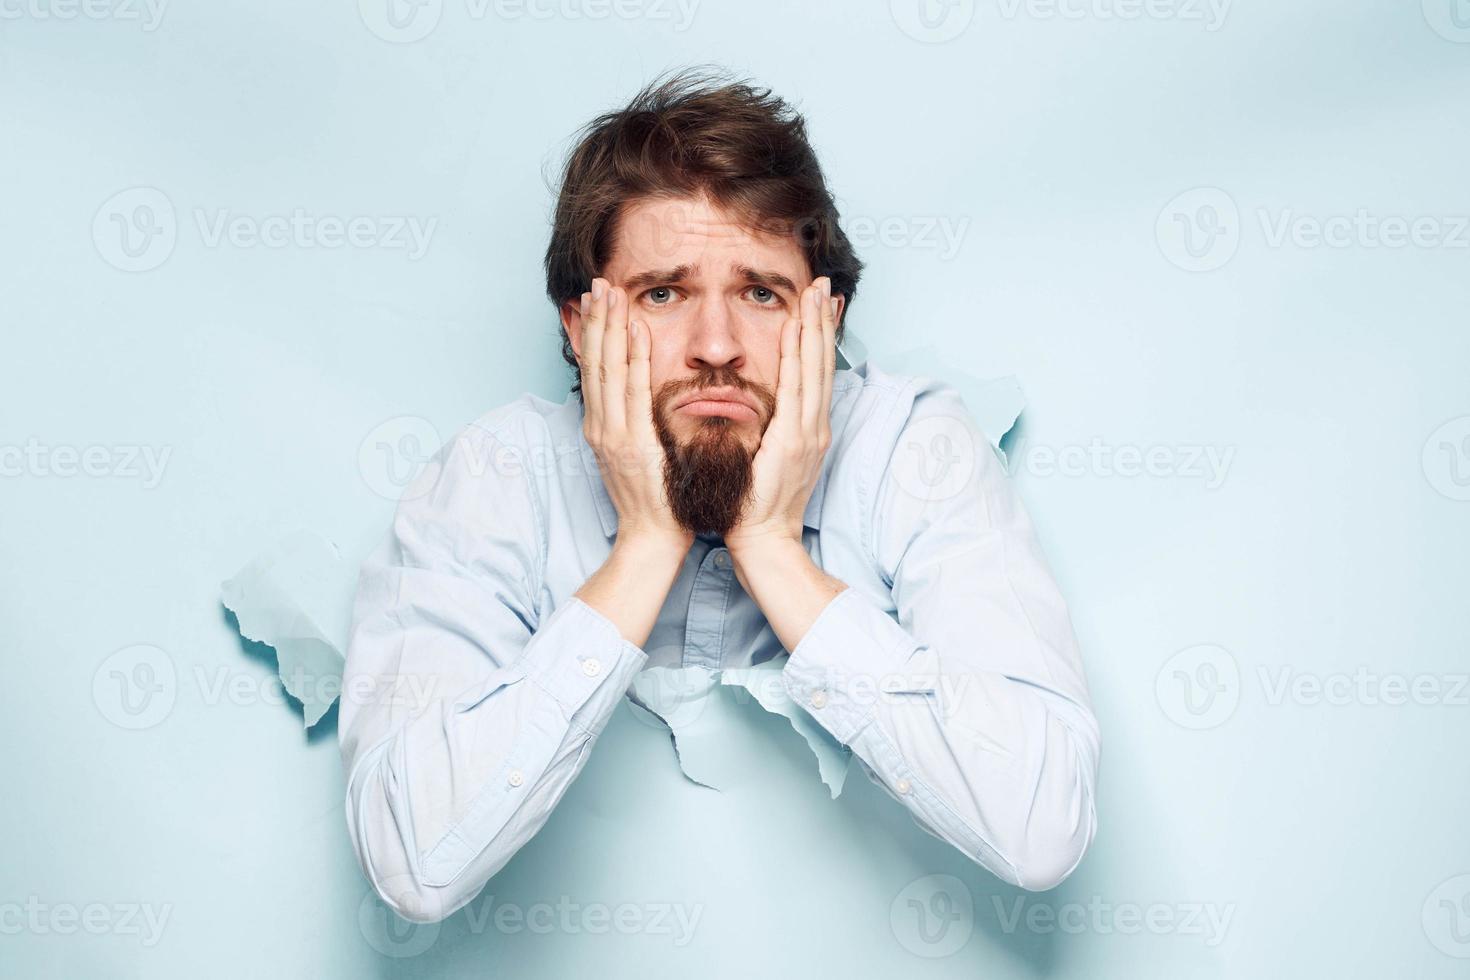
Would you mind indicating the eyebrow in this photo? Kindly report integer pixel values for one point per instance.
(680, 273)
(762, 277)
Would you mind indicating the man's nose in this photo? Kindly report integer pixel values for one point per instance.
(715, 340)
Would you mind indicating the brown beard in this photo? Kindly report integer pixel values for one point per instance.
(708, 479)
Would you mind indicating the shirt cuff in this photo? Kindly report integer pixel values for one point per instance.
(589, 653)
(852, 653)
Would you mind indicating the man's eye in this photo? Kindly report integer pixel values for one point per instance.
(660, 295)
(763, 296)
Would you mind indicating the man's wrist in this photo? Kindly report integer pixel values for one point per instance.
(789, 587)
(768, 563)
(749, 554)
(650, 549)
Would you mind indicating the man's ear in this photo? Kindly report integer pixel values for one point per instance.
(571, 322)
(841, 305)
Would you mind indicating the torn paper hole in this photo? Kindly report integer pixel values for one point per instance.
(675, 698)
(764, 682)
(698, 706)
(995, 403)
(297, 597)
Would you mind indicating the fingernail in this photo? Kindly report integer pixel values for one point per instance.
(833, 303)
(597, 286)
(633, 330)
(586, 302)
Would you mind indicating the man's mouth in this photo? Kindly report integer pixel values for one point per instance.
(726, 402)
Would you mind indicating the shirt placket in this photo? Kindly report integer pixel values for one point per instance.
(709, 603)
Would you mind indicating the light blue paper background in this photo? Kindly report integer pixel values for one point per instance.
(1336, 380)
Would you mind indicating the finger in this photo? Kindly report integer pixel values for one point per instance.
(788, 379)
(811, 358)
(829, 349)
(639, 407)
(593, 325)
(615, 361)
(584, 307)
(640, 383)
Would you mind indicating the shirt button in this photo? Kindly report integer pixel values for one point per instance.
(590, 666)
(515, 778)
(819, 699)
(722, 560)
(902, 785)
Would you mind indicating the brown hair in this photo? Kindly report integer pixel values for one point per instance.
(689, 133)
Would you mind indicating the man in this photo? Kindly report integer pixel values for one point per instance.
(719, 493)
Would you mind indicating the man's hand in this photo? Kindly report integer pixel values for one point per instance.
(631, 586)
(618, 421)
(789, 461)
(771, 563)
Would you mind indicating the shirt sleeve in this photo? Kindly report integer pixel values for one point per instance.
(464, 716)
(971, 709)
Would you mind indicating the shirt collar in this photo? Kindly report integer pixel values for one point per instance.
(608, 513)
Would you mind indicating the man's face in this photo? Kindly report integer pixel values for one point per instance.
(713, 295)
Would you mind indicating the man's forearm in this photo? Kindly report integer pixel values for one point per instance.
(787, 585)
(632, 585)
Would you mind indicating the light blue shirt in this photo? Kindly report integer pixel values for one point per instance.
(476, 683)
